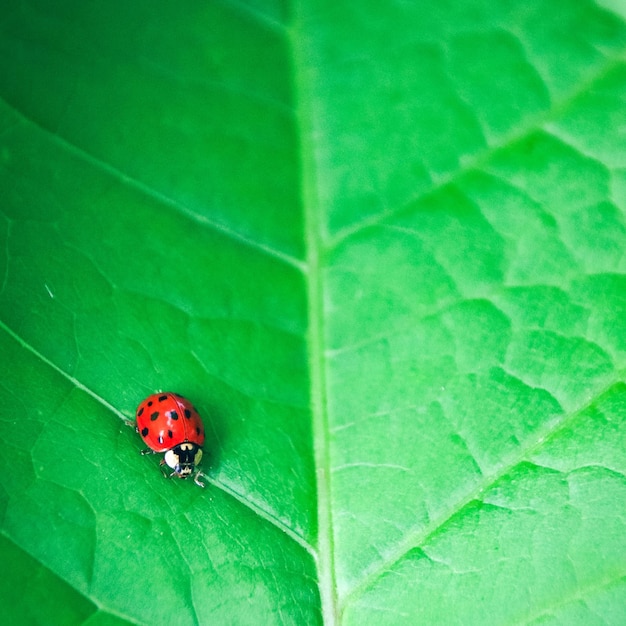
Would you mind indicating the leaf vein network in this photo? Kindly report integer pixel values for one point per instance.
(483, 157)
(420, 537)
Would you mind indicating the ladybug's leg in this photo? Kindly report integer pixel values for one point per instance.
(196, 478)
(162, 465)
(148, 451)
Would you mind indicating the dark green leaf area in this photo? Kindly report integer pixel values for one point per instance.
(116, 521)
(202, 145)
(151, 250)
(37, 593)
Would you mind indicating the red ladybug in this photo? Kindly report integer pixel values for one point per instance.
(169, 423)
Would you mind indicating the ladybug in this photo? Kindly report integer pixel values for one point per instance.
(168, 422)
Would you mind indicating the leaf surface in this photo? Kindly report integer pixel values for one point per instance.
(380, 245)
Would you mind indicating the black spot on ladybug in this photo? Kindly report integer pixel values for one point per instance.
(170, 434)
(160, 438)
(154, 415)
(174, 415)
(140, 412)
(187, 413)
(150, 403)
(144, 432)
(198, 431)
(162, 398)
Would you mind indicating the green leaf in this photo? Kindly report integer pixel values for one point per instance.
(380, 245)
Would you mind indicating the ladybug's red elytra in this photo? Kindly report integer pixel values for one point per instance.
(169, 423)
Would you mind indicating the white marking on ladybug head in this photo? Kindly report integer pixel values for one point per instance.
(171, 458)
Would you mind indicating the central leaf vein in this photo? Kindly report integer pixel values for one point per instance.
(316, 337)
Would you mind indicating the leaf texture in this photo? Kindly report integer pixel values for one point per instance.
(381, 247)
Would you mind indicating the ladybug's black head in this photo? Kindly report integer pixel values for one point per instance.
(184, 458)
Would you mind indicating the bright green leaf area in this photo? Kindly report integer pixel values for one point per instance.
(381, 246)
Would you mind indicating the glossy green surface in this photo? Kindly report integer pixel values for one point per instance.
(380, 245)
